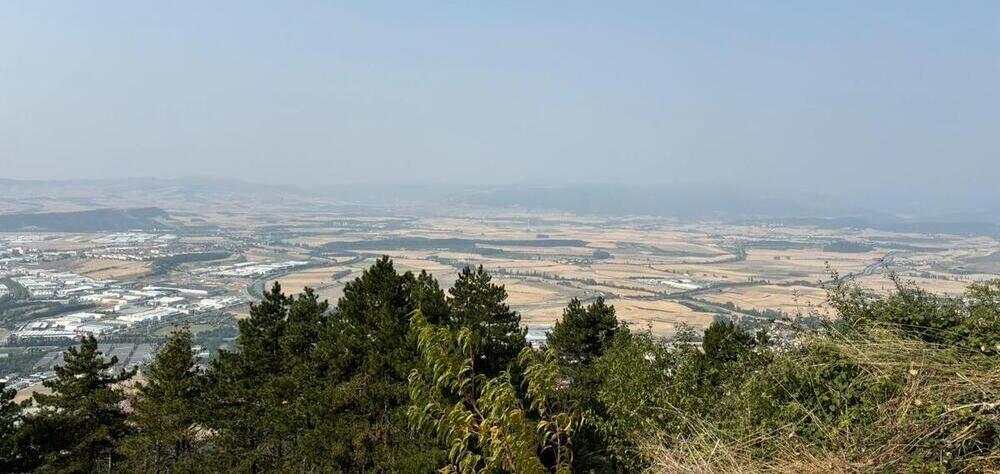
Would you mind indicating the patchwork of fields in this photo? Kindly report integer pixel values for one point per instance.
(658, 274)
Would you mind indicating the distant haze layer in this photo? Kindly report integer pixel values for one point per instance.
(868, 100)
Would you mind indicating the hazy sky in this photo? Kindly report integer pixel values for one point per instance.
(848, 96)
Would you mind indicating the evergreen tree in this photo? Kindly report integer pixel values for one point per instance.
(312, 390)
(82, 420)
(10, 415)
(584, 333)
(430, 298)
(370, 333)
(164, 411)
(238, 403)
(256, 394)
(480, 305)
(370, 352)
(582, 336)
(729, 355)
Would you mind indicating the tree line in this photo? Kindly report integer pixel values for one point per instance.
(402, 376)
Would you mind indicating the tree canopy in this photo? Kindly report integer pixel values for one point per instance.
(401, 376)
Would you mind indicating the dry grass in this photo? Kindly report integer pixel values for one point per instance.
(708, 453)
(949, 399)
(26, 393)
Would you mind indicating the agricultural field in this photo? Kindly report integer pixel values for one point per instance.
(792, 300)
(659, 273)
(107, 269)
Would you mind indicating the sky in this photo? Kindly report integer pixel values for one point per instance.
(843, 97)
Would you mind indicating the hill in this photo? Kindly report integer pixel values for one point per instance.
(97, 220)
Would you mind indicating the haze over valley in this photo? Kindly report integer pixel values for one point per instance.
(199, 251)
(500, 237)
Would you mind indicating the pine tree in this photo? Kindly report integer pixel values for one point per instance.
(373, 316)
(313, 390)
(584, 333)
(480, 305)
(164, 410)
(430, 298)
(296, 426)
(261, 333)
(10, 415)
(371, 351)
(244, 400)
(582, 336)
(82, 420)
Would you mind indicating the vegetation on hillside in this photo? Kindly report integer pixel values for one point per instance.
(400, 375)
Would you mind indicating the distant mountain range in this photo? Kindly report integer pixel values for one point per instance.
(97, 220)
(184, 193)
(680, 201)
(734, 205)
(683, 201)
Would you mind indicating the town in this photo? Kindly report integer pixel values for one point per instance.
(47, 304)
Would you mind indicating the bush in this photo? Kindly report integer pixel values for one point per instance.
(972, 321)
(633, 377)
(904, 382)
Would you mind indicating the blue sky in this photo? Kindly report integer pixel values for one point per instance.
(848, 97)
